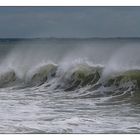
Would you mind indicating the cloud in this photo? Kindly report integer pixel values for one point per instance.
(69, 21)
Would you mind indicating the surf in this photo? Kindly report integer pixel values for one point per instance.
(96, 69)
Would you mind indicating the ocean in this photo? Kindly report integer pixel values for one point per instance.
(56, 85)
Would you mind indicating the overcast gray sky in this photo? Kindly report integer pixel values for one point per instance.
(69, 22)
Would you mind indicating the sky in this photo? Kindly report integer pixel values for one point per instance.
(69, 22)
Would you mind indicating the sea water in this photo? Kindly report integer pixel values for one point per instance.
(62, 85)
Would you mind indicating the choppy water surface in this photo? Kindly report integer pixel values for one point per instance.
(70, 86)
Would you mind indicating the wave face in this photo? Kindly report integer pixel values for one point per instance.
(62, 85)
(76, 77)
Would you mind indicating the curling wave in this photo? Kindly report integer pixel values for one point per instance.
(76, 77)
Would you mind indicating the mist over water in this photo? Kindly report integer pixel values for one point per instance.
(114, 55)
(70, 86)
(125, 58)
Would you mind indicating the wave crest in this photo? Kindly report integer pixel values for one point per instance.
(76, 77)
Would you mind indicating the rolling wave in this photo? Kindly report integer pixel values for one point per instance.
(99, 69)
(75, 78)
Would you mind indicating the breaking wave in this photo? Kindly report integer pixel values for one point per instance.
(77, 77)
(101, 72)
